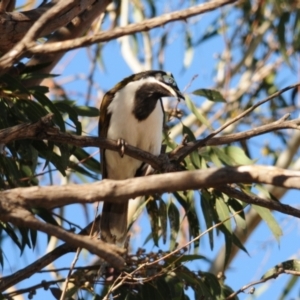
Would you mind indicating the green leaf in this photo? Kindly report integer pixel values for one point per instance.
(210, 31)
(194, 156)
(2, 264)
(212, 95)
(221, 156)
(45, 215)
(187, 201)
(230, 238)
(162, 212)
(82, 172)
(207, 204)
(173, 215)
(281, 30)
(10, 170)
(238, 155)
(86, 159)
(223, 212)
(189, 51)
(212, 282)
(175, 285)
(86, 111)
(28, 76)
(13, 84)
(197, 112)
(235, 206)
(31, 109)
(11, 233)
(149, 292)
(226, 291)
(267, 216)
(186, 130)
(164, 288)
(228, 246)
(152, 210)
(215, 158)
(25, 239)
(199, 287)
(184, 258)
(43, 99)
(33, 237)
(66, 108)
(47, 153)
(290, 265)
(288, 287)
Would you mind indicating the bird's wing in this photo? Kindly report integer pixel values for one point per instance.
(103, 128)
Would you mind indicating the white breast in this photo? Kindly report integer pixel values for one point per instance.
(146, 134)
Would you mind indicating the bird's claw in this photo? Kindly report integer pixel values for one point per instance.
(121, 144)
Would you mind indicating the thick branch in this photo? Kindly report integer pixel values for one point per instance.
(20, 216)
(118, 191)
(77, 27)
(44, 130)
(15, 25)
(130, 29)
(11, 280)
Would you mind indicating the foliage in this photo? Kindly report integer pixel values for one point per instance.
(259, 39)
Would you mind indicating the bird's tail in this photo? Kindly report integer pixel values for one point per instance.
(113, 223)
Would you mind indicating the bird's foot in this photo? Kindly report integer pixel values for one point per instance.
(121, 144)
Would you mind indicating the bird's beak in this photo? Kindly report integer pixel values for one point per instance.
(179, 95)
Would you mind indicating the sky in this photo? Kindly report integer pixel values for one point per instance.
(264, 251)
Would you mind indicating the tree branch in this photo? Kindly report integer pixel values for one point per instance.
(182, 151)
(252, 199)
(45, 130)
(130, 29)
(280, 271)
(18, 24)
(77, 27)
(121, 190)
(18, 214)
(11, 280)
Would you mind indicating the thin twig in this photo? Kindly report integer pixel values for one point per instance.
(181, 152)
(280, 271)
(67, 280)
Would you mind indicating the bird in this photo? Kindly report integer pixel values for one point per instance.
(132, 112)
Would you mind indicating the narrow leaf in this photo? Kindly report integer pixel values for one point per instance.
(212, 95)
(173, 215)
(197, 112)
(267, 216)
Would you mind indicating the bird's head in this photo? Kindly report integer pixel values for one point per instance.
(145, 88)
(149, 83)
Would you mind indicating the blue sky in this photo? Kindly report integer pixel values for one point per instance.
(264, 251)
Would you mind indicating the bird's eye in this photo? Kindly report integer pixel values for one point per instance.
(169, 80)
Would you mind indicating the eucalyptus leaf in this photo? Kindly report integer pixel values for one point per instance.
(223, 213)
(290, 265)
(267, 216)
(153, 214)
(210, 94)
(173, 215)
(207, 204)
(201, 118)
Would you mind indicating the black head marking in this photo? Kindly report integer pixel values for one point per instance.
(146, 98)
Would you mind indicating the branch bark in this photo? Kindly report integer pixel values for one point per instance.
(11, 280)
(18, 214)
(130, 29)
(121, 190)
(15, 25)
(44, 129)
